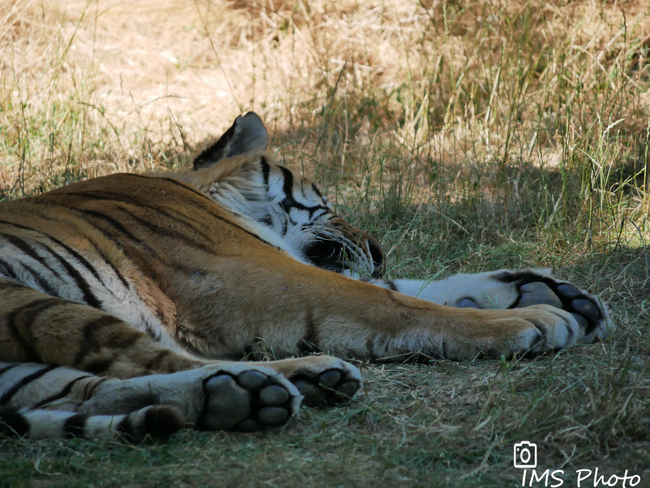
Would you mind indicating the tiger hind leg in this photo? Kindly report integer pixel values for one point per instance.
(44, 401)
(36, 327)
(218, 396)
(68, 340)
(156, 421)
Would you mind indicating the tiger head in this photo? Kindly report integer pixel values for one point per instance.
(284, 207)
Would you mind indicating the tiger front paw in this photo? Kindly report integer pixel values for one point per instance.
(535, 287)
(322, 380)
(253, 399)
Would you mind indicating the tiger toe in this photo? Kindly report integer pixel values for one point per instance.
(548, 328)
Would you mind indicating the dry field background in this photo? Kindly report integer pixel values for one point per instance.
(469, 135)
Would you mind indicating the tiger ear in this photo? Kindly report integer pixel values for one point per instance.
(247, 134)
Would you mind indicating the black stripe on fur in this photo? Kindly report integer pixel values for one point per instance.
(13, 423)
(74, 426)
(8, 395)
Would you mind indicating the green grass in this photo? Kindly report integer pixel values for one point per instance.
(475, 138)
(446, 424)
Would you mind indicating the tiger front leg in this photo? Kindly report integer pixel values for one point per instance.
(352, 319)
(504, 289)
(416, 329)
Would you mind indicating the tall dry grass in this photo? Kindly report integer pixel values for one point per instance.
(464, 82)
(450, 122)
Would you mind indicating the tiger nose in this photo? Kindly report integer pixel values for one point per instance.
(377, 255)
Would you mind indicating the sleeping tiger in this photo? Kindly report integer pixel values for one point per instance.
(128, 301)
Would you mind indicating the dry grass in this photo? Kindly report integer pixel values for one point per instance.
(468, 134)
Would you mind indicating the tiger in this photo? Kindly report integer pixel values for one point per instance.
(226, 295)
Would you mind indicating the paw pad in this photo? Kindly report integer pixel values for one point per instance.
(538, 293)
(330, 387)
(274, 395)
(568, 291)
(246, 402)
(467, 303)
(586, 308)
(252, 380)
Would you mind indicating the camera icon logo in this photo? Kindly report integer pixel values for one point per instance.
(525, 455)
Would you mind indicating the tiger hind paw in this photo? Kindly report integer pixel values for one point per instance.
(248, 401)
